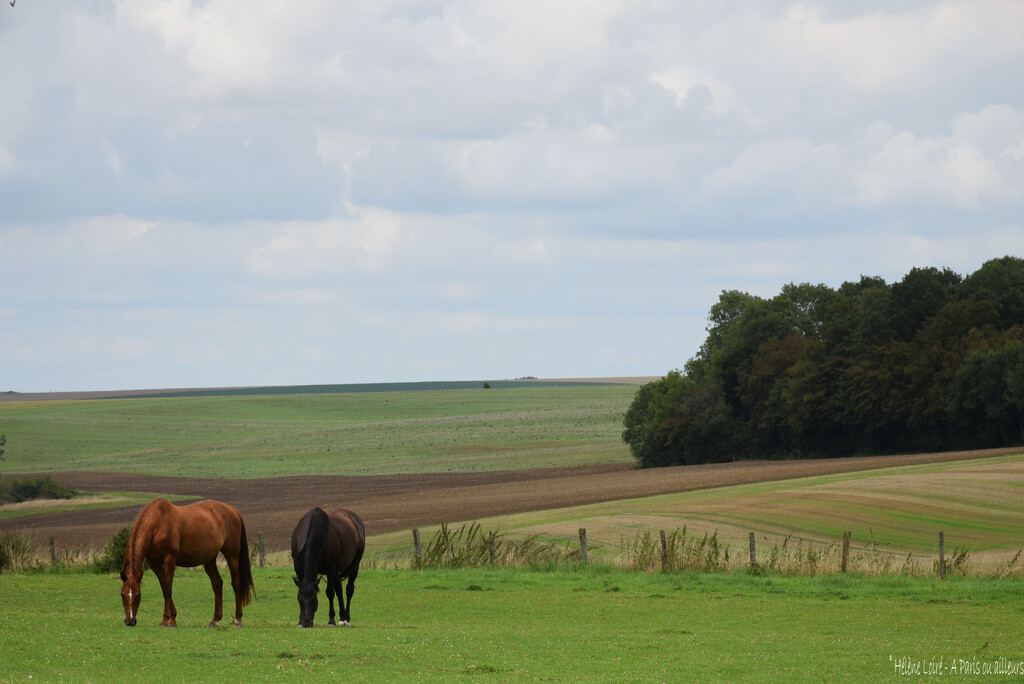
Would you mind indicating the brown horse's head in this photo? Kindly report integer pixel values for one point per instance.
(307, 601)
(131, 595)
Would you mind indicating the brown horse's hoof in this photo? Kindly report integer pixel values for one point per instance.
(168, 624)
(213, 624)
(236, 623)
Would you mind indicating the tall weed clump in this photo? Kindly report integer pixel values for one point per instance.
(681, 552)
(17, 551)
(470, 547)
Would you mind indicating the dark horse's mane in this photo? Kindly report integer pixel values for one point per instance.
(316, 540)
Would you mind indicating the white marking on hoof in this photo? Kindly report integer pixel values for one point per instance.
(344, 623)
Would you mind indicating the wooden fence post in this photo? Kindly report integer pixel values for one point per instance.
(846, 550)
(664, 550)
(492, 549)
(263, 549)
(753, 553)
(583, 545)
(942, 556)
(417, 546)
(53, 550)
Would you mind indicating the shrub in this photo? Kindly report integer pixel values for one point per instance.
(16, 490)
(112, 558)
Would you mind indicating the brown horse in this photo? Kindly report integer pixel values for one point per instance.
(167, 536)
(329, 544)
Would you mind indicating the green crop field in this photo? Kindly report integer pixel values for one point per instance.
(355, 433)
(506, 626)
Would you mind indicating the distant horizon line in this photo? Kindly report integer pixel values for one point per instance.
(327, 388)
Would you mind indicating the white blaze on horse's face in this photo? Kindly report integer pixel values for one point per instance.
(131, 595)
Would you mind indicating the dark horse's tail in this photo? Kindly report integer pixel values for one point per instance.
(246, 589)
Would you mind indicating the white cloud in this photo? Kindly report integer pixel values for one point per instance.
(9, 164)
(325, 248)
(976, 163)
(890, 49)
(682, 80)
(109, 233)
(220, 190)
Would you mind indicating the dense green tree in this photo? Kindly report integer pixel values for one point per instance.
(873, 396)
(762, 320)
(764, 388)
(676, 421)
(811, 404)
(724, 313)
(920, 295)
(933, 361)
(1000, 281)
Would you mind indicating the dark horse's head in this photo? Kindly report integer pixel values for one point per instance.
(307, 601)
(131, 595)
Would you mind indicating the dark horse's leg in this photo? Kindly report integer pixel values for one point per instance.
(165, 575)
(346, 612)
(217, 582)
(331, 591)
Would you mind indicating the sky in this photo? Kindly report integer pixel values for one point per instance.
(227, 193)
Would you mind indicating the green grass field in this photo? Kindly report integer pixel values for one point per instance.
(499, 626)
(356, 434)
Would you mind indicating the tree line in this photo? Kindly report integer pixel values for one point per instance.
(930, 363)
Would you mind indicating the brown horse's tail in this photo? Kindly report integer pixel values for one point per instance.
(246, 590)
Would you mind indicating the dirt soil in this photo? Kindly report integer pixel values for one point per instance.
(273, 506)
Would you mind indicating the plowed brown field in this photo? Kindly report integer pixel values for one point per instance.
(388, 503)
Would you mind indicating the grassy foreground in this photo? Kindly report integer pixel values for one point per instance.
(353, 434)
(590, 624)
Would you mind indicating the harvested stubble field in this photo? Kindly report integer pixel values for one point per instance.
(398, 502)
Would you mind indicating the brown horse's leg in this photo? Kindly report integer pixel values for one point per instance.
(165, 575)
(218, 590)
(236, 585)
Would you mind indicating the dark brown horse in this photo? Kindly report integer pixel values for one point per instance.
(167, 536)
(328, 544)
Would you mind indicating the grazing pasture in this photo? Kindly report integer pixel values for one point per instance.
(505, 626)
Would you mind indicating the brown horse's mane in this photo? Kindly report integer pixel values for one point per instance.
(135, 550)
